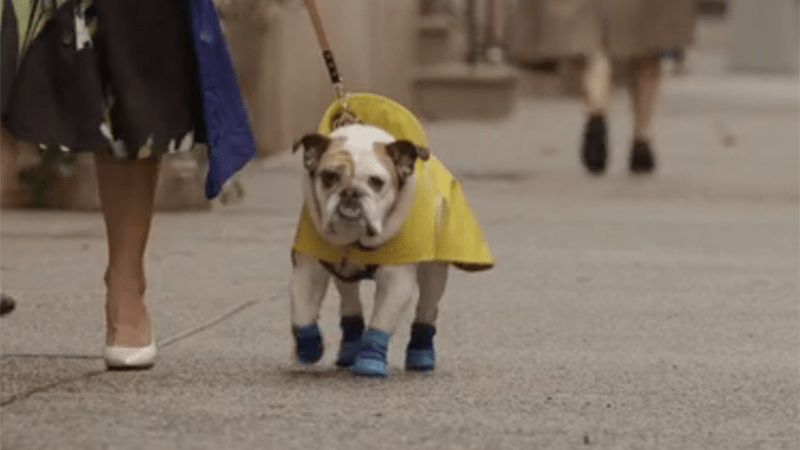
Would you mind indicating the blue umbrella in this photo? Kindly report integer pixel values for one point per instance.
(231, 144)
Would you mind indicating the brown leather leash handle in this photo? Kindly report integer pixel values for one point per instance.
(324, 43)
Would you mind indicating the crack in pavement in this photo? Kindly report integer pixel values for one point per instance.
(86, 376)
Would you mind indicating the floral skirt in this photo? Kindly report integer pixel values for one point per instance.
(113, 76)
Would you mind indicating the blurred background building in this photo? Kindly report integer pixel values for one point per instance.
(445, 59)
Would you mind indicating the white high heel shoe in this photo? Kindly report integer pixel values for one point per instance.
(130, 358)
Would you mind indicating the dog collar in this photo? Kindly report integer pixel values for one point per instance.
(368, 273)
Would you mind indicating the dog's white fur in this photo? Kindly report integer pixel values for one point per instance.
(382, 213)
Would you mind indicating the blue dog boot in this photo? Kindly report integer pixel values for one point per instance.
(371, 358)
(309, 348)
(420, 354)
(352, 329)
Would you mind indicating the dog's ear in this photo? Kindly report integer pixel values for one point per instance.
(314, 145)
(404, 154)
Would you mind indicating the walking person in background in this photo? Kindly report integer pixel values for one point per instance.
(7, 304)
(678, 58)
(602, 33)
(130, 81)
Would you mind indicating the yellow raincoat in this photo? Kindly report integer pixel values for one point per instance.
(454, 238)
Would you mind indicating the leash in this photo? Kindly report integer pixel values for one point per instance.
(327, 55)
(346, 116)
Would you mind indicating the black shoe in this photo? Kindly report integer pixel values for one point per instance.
(595, 145)
(642, 160)
(7, 304)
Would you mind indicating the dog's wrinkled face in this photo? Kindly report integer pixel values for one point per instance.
(359, 183)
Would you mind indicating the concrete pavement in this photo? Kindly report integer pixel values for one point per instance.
(657, 312)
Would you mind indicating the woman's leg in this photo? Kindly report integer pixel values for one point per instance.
(645, 82)
(127, 192)
(644, 86)
(597, 91)
(597, 76)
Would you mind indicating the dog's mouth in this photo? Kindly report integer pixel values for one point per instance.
(350, 212)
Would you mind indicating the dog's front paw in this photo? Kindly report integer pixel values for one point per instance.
(371, 357)
(420, 354)
(309, 347)
(352, 330)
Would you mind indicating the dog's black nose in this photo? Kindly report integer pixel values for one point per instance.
(349, 206)
(349, 198)
(349, 194)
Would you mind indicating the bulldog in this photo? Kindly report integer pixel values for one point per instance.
(384, 209)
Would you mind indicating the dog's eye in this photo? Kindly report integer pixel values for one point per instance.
(329, 178)
(376, 183)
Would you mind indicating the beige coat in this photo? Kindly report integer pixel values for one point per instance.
(542, 29)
